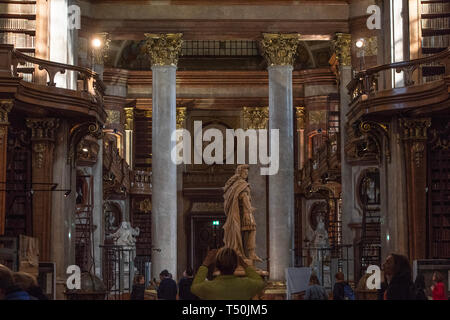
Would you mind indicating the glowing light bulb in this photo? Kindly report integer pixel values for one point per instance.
(96, 43)
(360, 43)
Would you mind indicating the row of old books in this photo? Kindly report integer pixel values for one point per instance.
(15, 7)
(439, 41)
(436, 23)
(431, 8)
(17, 24)
(19, 40)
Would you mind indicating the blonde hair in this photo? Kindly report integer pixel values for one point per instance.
(24, 280)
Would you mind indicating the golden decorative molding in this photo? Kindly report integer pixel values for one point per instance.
(129, 118)
(43, 128)
(370, 47)
(164, 49)
(342, 45)
(256, 118)
(5, 108)
(113, 117)
(181, 117)
(300, 115)
(317, 117)
(145, 205)
(148, 113)
(280, 49)
(101, 54)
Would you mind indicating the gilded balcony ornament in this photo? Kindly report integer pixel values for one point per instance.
(164, 49)
(5, 108)
(129, 118)
(256, 118)
(181, 117)
(342, 45)
(100, 53)
(280, 49)
(300, 115)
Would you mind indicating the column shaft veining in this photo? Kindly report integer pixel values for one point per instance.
(279, 51)
(164, 50)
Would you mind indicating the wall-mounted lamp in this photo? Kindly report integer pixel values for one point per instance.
(360, 43)
(96, 43)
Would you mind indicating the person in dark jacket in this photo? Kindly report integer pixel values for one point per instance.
(315, 291)
(184, 286)
(138, 291)
(339, 287)
(419, 286)
(167, 289)
(399, 281)
(8, 290)
(28, 283)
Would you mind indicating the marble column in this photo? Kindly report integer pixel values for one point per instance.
(5, 108)
(164, 50)
(257, 118)
(97, 210)
(43, 131)
(62, 210)
(279, 51)
(343, 69)
(129, 127)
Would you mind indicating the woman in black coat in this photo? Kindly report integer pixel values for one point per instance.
(399, 281)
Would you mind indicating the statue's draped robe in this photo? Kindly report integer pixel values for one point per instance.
(232, 228)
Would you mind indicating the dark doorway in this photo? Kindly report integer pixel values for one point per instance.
(205, 234)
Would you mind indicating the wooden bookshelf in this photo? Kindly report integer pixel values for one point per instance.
(18, 27)
(435, 24)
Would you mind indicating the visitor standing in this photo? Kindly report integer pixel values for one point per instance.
(399, 280)
(438, 290)
(226, 286)
(184, 286)
(315, 291)
(167, 289)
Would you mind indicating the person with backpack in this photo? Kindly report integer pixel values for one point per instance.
(315, 291)
(342, 290)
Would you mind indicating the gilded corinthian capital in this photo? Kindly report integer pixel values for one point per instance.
(342, 45)
(164, 49)
(129, 118)
(300, 115)
(256, 118)
(181, 116)
(280, 49)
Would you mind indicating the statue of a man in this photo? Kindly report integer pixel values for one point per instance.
(240, 226)
(126, 235)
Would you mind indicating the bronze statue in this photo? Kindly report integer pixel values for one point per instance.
(240, 226)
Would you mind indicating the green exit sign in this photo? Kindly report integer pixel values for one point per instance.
(216, 223)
